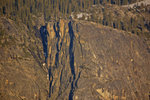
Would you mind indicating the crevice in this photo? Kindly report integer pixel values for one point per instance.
(56, 28)
(57, 59)
(71, 92)
(44, 34)
(56, 25)
(71, 54)
(51, 81)
(76, 82)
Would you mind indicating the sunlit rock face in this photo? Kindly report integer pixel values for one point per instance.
(91, 62)
(75, 60)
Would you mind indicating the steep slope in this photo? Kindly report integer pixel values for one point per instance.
(116, 65)
(73, 60)
(93, 62)
(22, 76)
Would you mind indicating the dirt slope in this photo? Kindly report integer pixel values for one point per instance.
(83, 61)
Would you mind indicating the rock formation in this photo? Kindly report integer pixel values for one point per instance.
(73, 60)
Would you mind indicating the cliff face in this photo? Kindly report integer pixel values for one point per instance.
(91, 62)
(60, 59)
(77, 61)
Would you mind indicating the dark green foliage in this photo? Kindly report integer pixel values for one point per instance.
(52, 9)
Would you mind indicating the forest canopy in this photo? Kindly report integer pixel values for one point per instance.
(50, 8)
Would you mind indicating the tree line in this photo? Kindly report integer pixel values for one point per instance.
(50, 8)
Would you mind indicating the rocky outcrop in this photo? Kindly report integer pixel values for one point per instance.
(75, 60)
(91, 62)
(60, 59)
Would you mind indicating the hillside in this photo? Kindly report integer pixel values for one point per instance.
(144, 2)
(84, 60)
(74, 50)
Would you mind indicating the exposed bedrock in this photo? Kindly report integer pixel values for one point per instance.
(92, 62)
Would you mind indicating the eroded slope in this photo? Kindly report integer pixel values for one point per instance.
(22, 76)
(73, 60)
(91, 62)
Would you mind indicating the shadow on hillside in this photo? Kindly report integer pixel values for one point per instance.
(44, 34)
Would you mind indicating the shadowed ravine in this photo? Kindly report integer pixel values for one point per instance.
(71, 54)
(44, 35)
